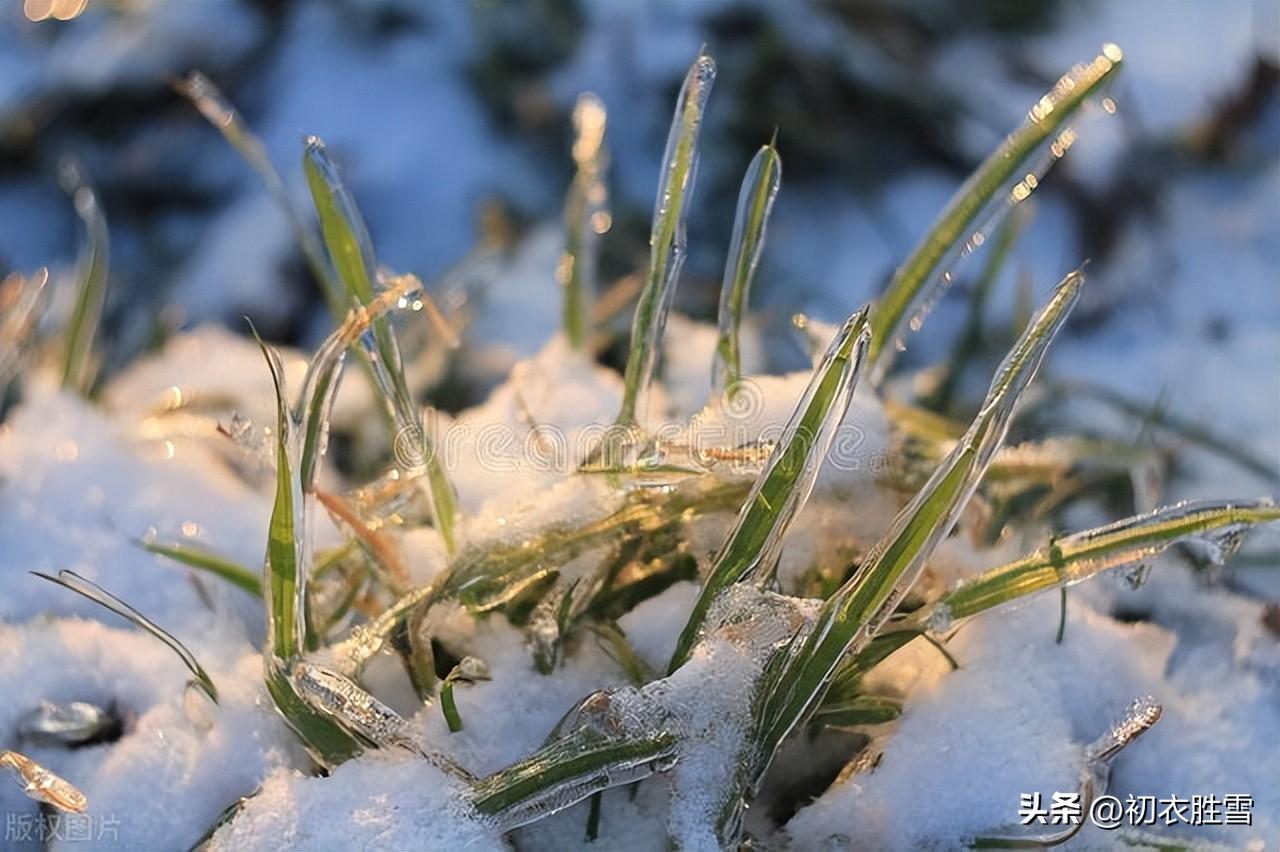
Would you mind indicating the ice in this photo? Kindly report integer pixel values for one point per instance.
(755, 201)
(667, 239)
(73, 723)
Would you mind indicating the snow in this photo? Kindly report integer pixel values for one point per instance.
(371, 803)
(1015, 717)
(1193, 325)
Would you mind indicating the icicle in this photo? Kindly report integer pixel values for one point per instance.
(42, 785)
(667, 238)
(755, 201)
(586, 217)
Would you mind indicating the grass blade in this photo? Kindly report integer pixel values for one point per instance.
(222, 114)
(42, 785)
(21, 305)
(603, 742)
(91, 590)
(667, 238)
(586, 217)
(969, 216)
(1186, 429)
(77, 364)
(787, 479)
(1074, 558)
(851, 617)
(755, 201)
(351, 251)
(286, 559)
(194, 556)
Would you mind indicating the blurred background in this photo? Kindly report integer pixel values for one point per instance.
(452, 124)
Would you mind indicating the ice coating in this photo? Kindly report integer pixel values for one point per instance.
(586, 217)
(1006, 178)
(855, 612)
(752, 545)
(1217, 527)
(755, 202)
(667, 238)
(70, 723)
(42, 785)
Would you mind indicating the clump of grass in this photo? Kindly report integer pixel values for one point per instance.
(806, 659)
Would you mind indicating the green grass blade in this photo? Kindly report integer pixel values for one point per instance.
(468, 670)
(351, 251)
(860, 710)
(91, 590)
(77, 363)
(602, 747)
(852, 616)
(667, 238)
(194, 556)
(286, 570)
(966, 219)
(222, 114)
(787, 479)
(755, 201)
(586, 217)
(1132, 541)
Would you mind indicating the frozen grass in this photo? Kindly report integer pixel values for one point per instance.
(588, 580)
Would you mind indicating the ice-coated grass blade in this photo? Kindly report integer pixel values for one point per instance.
(787, 479)
(1133, 541)
(91, 590)
(222, 114)
(286, 558)
(194, 556)
(43, 785)
(82, 328)
(984, 197)
(755, 201)
(849, 618)
(667, 238)
(613, 746)
(468, 670)
(586, 217)
(287, 564)
(1095, 775)
(351, 251)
